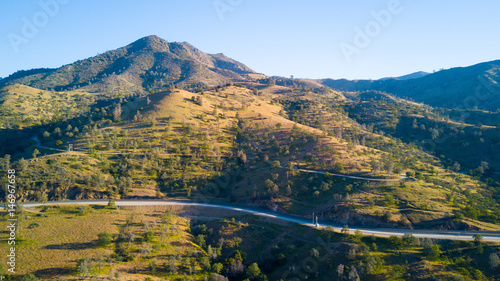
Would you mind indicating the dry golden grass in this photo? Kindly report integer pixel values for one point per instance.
(64, 237)
(61, 239)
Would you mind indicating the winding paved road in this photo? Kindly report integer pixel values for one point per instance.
(383, 232)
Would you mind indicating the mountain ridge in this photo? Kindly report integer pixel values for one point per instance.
(152, 64)
(413, 75)
(475, 86)
(147, 64)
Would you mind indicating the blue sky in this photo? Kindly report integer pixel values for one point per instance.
(312, 39)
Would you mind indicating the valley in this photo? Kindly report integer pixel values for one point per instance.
(159, 121)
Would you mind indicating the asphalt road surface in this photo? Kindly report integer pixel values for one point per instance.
(383, 232)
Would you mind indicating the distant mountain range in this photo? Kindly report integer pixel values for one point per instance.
(413, 75)
(149, 63)
(152, 64)
(461, 87)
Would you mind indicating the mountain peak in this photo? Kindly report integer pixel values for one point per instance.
(152, 41)
(147, 64)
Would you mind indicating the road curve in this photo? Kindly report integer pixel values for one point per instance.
(383, 232)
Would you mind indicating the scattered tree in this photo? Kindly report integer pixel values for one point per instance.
(117, 112)
(340, 271)
(478, 238)
(85, 267)
(111, 203)
(104, 238)
(35, 153)
(353, 274)
(494, 260)
(217, 267)
(345, 230)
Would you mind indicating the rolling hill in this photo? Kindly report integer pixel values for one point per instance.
(23, 106)
(155, 121)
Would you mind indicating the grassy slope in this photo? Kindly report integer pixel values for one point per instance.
(429, 128)
(26, 106)
(178, 147)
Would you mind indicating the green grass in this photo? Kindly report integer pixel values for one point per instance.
(24, 106)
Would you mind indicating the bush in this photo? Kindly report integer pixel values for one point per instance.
(33, 225)
(395, 241)
(409, 240)
(339, 168)
(430, 250)
(104, 238)
(217, 267)
(253, 272)
(389, 200)
(148, 236)
(153, 266)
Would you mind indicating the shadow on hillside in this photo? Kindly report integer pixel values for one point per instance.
(445, 224)
(70, 246)
(98, 207)
(179, 244)
(52, 272)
